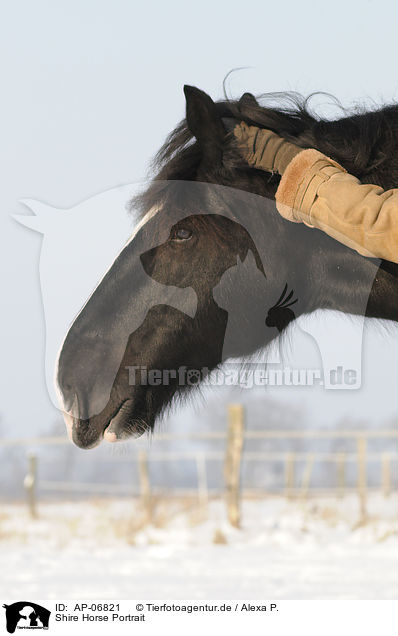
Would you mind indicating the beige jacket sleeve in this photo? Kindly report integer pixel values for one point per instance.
(319, 192)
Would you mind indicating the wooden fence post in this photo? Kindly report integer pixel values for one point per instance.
(341, 461)
(362, 481)
(203, 495)
(305, 482)
(145, 487)
(289, 475)
(30, 484)
(233, 462)
(386, 474)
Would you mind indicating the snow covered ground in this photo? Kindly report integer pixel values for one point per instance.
(285, 550)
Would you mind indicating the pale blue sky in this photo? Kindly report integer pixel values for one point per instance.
(90, 89)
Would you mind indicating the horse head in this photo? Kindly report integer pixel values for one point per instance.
(203, 279)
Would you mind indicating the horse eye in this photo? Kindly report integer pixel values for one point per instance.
(181, 234)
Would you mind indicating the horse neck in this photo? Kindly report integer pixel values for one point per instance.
(339, 278)
(383, 301)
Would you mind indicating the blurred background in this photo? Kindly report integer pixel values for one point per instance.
(291, 493)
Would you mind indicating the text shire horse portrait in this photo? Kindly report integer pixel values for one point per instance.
(213, 272)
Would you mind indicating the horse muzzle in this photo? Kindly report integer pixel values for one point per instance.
(114, 425)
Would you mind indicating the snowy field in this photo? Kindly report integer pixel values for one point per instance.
(285, 550)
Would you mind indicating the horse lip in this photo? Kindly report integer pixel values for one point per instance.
(114, 431)
(108, 435)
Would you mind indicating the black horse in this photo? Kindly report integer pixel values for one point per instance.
(205, 276)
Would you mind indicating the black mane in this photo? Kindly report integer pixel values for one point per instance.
(364, 141)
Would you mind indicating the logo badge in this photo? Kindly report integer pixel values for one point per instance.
(26, 615)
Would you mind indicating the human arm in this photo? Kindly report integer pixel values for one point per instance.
(317, 191)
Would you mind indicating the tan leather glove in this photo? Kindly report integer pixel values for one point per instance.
(264, 149)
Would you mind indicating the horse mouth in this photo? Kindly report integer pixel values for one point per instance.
(121, 425)
(124, 424)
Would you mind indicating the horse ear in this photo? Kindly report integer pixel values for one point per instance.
(248, 99)
(205, 124)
